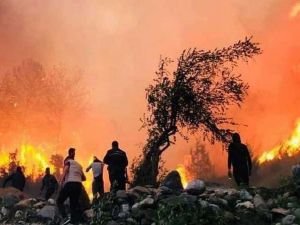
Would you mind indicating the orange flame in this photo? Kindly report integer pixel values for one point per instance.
(183, 175)
(289, 148)
(35, 160)
(295, 10)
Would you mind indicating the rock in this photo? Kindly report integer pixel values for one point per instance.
(4, 211)
(288, 220)
(140, 190)
(39, 205)
(9, 200)
(135, 208)
(18, 214)
(147, 202)
(48, 212)
(122, 194)
(290, 205)
(247, 204)
(173, 181)
(51, 201)
(280, 211)
(296, 173)
(216, 209)
(204, 204)
(245, 195)
(259, 203)
(228, 216)
(25, 203)
(89, 213)
(112, 222)
(297, 213)
(195, 187)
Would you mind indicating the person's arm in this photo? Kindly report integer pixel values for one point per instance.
(43, 184)
(106, 159)
(88, 169)
(229, 161)
(249, 161)
(65, 172)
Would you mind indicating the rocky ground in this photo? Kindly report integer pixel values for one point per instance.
(170, 204)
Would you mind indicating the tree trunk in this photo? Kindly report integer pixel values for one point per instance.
(148, 170)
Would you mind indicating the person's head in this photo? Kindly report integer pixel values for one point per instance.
(19, 169)
(71, 153)
(236, 138)
(47, 171)
(115, 145)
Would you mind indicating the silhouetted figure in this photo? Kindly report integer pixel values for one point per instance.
(239, 158)
(98, 185)
(17, 179)
(49, 183)
(117, 162)
(71, 187)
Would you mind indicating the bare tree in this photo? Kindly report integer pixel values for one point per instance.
(195, 97)
(34, 98)
(200, 165)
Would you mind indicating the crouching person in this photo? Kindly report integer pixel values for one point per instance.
(71, 187)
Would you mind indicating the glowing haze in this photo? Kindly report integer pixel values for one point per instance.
(117, 44)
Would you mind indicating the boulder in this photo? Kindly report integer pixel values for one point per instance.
(25, 203)
(10, 200)
(288, 220)
(245, 195)
(173, 181)
(48, 212)
(247, 204)
(259, 203)
(195, 187)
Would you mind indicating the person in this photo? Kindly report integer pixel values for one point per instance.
(97, 186)
(71, 187)
(49, 183)
(239, 158)
(17, 179)
(117, 162)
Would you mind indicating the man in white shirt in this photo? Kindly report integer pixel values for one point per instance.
(97, 186)
(71, 187)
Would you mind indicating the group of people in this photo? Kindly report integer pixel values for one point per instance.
(70, 185)
(239, 160)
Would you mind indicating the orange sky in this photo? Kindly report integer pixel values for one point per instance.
(118, 45)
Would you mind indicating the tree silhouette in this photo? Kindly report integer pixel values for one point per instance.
(194, 97)
(200, 165)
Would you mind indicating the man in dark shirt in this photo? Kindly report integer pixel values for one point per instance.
(239, 158)
(49, 183)
(117, 162)
(17, 179)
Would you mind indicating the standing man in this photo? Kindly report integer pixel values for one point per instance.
(239, 158)
(117, 162)
(49, 183)
(71, 187)
(97, 186)
(17, 179)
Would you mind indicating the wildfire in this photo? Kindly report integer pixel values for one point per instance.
(289, 148)
(35, 160)
(183, 175)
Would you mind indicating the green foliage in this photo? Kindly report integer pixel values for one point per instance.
(186, 214)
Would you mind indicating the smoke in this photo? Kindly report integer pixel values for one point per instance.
(117, 44)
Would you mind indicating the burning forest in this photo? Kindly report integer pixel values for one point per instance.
(165, 113)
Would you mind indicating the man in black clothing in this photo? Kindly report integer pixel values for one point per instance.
(117, 162)
(17, 179)
(239, 158)
(49, 183)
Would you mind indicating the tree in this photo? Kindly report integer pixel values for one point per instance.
(200, 165)
(57, 161)
(33, 98)
(195, 97)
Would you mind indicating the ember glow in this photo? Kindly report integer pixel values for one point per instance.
(35, 160)
(183, 175)
(295, 10)
(289, 147)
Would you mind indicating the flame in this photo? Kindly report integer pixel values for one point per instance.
(183, 175)
(295, 10)
(289, 148)
(35, 160)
